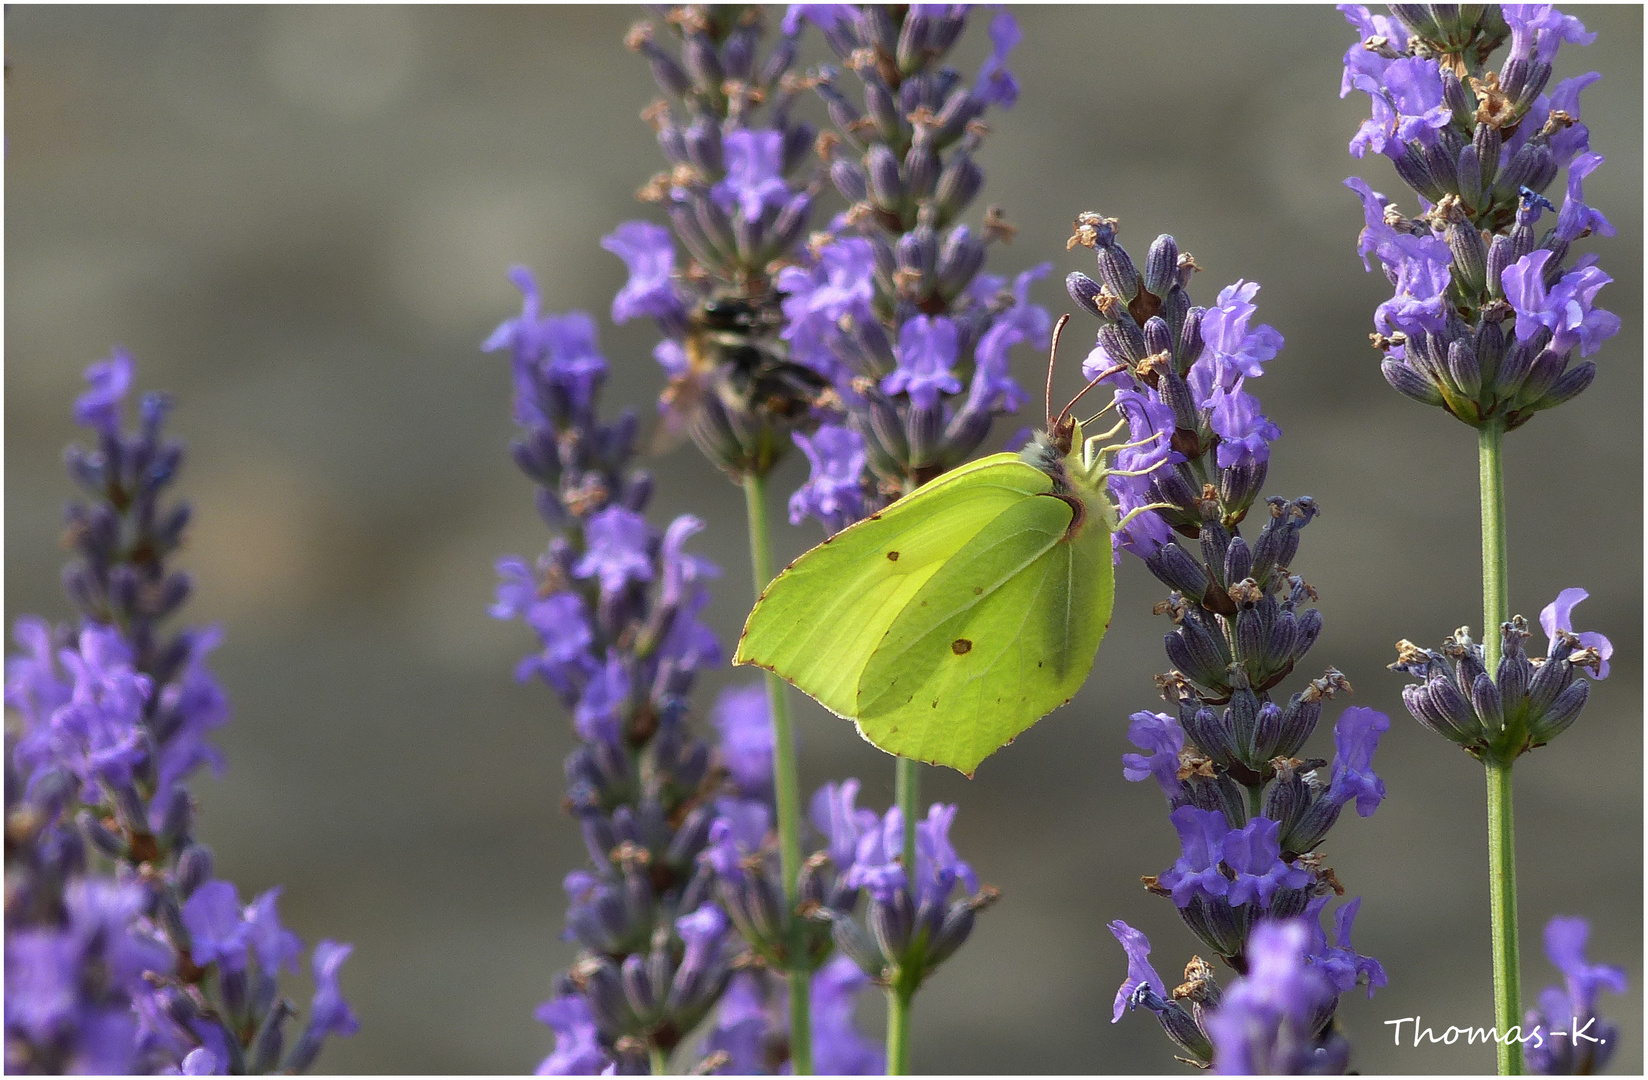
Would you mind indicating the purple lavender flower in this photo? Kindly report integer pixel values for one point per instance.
(894, 308)
(1356, 737)
(1557, 618)
(1161, 735)
(834, 493)
(843, 825)
(741, 716)
(1139, 972)
(577, 1049)
(1421, 266)
(217, 931)
(617, 541)
(1196, 873)
(1271, 1019)
(650, 255)
(1254, 853)
(839, 1049)
(997, 86)
(1245, 434)
(559, 351)
(616, 607)
(755, 179)
(100, 407)
(98, 735)
(1567, 309)
(1586, 1041)
(276, 947)
(1343, 965)
(1538, 30)
(329, 1013)
(926, 354)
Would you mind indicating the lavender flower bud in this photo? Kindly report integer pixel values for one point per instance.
(1409, 383)
(1161, 266)
(924, 428)
(1570, 385)
(856, 944)
(194, 869)
(702, 63)
(1470, 254)
(1117, 273)
(882, 108)
(1086, 292)
(1123, 340)
(886, 185)
(270, 1039)
(849, 179)
(1560, 716)
(1174, 568)
(1487, 142)
(959, 260)
(103, 839)
(921, 167)
(1463, 371)
(958, 185)
(702, 143)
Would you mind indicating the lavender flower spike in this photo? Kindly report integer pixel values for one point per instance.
(1484, 319)
(123, 953)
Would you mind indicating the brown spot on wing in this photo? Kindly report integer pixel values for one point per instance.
(892, 556)
(961, 645)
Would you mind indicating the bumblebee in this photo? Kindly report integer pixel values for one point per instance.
(740, 395)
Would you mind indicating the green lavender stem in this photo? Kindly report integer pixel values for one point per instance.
(659, 1059)
(1507, 952)
(907, 790)
(899, 1001)
(907, 793)
(786, 788)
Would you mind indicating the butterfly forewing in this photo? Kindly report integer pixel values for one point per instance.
(998, 638)
(820, 621)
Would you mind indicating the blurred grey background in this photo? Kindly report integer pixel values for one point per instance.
(299, 219)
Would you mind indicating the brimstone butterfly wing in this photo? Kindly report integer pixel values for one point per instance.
(954, 619)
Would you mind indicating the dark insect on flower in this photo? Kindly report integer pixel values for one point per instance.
(737, 394)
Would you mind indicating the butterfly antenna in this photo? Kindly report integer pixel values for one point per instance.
(1052, 353)
(1097, 379)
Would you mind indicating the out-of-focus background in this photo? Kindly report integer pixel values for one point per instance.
(299, 220)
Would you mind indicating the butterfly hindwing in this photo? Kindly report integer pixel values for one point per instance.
(1001, 635)
(821, 620)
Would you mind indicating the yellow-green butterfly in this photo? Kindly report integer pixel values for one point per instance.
(948, 623)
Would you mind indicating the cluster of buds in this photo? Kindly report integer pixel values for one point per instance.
(1249, 813)
(1525, 703)
(739, 197)
(916, 920)
(123, 952)
(615, 606)
(1485, 315)
(892, 307)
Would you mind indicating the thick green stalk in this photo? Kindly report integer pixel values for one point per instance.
(898, 1031)
(786, 789)
(659, 1059)
(1507, 951)
(907, 792)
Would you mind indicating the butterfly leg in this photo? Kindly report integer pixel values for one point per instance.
(1136, 511)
